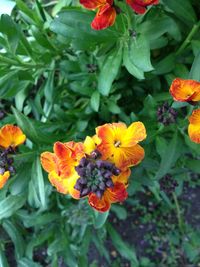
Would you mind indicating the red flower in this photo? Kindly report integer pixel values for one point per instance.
(139, 6)
(106, 13)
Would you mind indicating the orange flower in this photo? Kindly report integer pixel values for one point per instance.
(99, 167)
(185, 90)
(3, 178)
(117, 193)
(11, 135)
(119, 143)
(139, 6)
(194, 126)
(61, 166)
(106, 13)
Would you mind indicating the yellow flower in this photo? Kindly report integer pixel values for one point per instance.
(119, 144)
(3, 178)
(11, 135)
(194, 126)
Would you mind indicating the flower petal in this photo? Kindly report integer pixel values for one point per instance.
(122, 177)
(101, 205)
(194, 126)
(139, 6)
(48, 161)
(92, 4)
(135, 133)
(4, 178)
(11, 135)
(117, 193)
(185, 90)
(104, 18)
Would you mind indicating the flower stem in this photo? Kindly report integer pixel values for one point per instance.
(178, 214)
(188, 39)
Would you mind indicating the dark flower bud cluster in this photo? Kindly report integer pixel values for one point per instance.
(95, 175)
(168, 184)
(166, 115)
(6, 161)
(92, 68)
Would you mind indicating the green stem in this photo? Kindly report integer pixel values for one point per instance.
(188, 38)
(178, 214)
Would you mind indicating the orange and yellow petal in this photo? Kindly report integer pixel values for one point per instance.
(122, 177)
(116, 194)
(64, 185)
(77, 149)
(194, 126)
(185, 90)
(48, 161)
(102, 205)
(135, 133)
(129, 156)
(3, 178)
(104, 18)
(90, 144)
(11, 135)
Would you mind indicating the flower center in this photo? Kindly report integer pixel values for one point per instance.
(95, 175)
(117, 143)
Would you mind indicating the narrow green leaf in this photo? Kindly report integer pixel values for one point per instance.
(95, 101)
(10, 205)
(172, 152)
(124, 249)
(100, 219)
(195, 70)
(3, 261)
(109, 71)
(16, 238)
(37, 184)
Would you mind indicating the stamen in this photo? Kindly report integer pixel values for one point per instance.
(117, 143)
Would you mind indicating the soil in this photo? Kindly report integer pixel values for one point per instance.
(133, 231)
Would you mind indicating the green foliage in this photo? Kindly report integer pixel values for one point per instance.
(59, 79)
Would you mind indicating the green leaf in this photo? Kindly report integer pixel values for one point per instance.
(140, 52)
(120, 212)
(129, 65)
(3, 261)
(169, 158)
(193, 165)
(195, 70)
(109, 70)
(182, 9)
(124, 249)
(16, 238)
(24, 262)
(95, 101)
(74, 24)
(37, 186)
(8, 27)
(10, 205)
(100, 218)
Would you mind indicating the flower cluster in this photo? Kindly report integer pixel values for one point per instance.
(99, 167)
(166, 114)
(188, 91)
(107, 10)
(10, 137)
